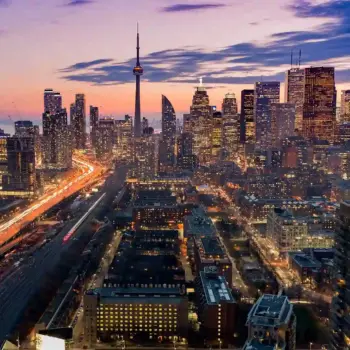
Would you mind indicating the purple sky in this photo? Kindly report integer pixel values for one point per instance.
(87, 46)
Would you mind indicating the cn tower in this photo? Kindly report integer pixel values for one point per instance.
(138, 71)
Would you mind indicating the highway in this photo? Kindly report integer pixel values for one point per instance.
(12, 226)
(17, 290)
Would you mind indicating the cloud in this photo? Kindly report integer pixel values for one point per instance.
(192, 7)
(4, 3)
(74, 3)
(242, 63)
(83, 65)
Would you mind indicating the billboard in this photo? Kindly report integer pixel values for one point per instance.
(45, 342)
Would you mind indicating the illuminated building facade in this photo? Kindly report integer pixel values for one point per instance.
(216, 306)
(345, 107)
(21, 172)
(25, 128)
(282, 122)
(57, 154)
(3, 156)
(168, 132)
(94, 117)
(52, 101)
(217, 136)
(146, 156)
(105, 138)
(294, 93)
(202, 126)
(186, 160)
(271, 324)
(157, 312)
(124, 136)
(339, 320)
(231, 128)
(265, 94)
(247, 127)
(187, 123)
(319, 108)
(78, 121)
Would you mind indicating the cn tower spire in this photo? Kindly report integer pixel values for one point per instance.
(138, 71)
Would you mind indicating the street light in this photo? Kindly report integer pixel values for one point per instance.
(310, 345)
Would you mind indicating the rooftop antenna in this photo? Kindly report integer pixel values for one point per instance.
(299, 58)
(201, 81)
(291, 59)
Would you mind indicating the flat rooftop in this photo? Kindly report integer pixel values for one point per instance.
(255, 344)
(155, 197)
(199, 224)
(210, 248)
(305, 261)
(270, 311)
(215, 288)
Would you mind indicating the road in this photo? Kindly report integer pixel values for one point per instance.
(90, 172)
(18, 288)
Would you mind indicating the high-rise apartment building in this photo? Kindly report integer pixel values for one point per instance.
(124, 137)
(271, 324)
(265, 94)
(94, 117)
(187, 123)
(319, 108)
(25, 128)
(202, 125)
(3, 156)
(294, 93)
(168, 131)
(146, 156)
(57, 151)
(78, 121)
(231, 127)
(105, 138)
(52, 101)
(282, 121)
(345, 107)
(217, 136)
(186, 160)
(247, 124)
(340, 318)
(21, 172)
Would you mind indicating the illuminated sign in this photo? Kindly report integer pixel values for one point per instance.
(45, 342)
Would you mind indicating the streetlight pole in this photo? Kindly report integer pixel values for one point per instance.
(310, 345)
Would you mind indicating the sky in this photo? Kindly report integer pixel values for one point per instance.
(88, 46)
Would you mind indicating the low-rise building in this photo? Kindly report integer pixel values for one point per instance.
(271, 323)
(198, 224)
(135, 312)
(208, 251)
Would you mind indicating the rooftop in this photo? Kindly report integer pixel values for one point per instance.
(210, 248)
(255, 344)
(199, 224)
(215, 287)
(155, 198)
(270, 311)
(306, 261)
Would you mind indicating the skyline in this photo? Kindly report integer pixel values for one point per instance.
(70, 57)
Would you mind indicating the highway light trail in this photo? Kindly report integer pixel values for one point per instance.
(9, 228)
(81, 220)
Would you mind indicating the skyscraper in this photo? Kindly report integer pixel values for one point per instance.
(168, 131)
(265, 94)
(21, 178)
(201, 122)
(52, 101)
(345, 107)
(124, 133)
(217, 136)
(138, 71)
(186, 160)
(78, 121)
(319, 108)
(282, 121)
(294, 93)
(57, 153)
(341, 301)
(94, 117)
(247, 128)
(231, 129)
(104, 138)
